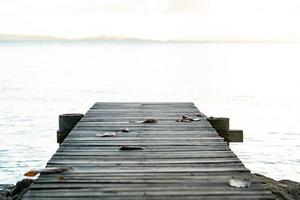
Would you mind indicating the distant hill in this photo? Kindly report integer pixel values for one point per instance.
(115, 38)
(14, 37)
(103, 38)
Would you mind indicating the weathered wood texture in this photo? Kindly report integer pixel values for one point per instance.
(179, 160)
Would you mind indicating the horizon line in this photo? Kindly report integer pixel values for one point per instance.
(102, 38)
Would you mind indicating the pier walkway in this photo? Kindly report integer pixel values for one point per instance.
(161, 159)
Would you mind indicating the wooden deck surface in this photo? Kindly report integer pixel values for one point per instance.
(180, 160)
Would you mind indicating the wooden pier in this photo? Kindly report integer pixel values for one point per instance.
(161, 160)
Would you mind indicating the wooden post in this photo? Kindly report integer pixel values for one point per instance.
(221, 124)
(66, 124)
(234, 136)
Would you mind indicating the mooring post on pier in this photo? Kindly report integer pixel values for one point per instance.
(221, 124)
(66, 123)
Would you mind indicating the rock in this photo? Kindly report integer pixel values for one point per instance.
(2, 196)
(5, 191)
(20, 187)
(284, 189)
(12, 192)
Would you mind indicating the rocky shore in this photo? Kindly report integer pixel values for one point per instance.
(283, 189)
(12, 192)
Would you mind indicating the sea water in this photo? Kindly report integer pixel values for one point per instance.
(256, 85)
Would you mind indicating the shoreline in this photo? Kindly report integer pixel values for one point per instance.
(282, 189)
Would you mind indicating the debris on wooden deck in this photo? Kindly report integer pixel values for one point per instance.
(160, 158)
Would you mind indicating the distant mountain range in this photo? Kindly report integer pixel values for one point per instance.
(15, 37)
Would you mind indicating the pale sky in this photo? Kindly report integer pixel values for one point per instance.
(154, 19)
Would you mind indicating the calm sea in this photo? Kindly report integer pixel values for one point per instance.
(257, 85)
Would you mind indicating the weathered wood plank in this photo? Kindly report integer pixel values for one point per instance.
(170, 197)
(143, 105)
(159, 124)
(143, 178)
(118, 187)
(157, 148)
(151, 162)
(138, 139)
(140, 143)
(106, 193)
(120, 135)
(145, 128)
(149, 154)
(113, 119)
